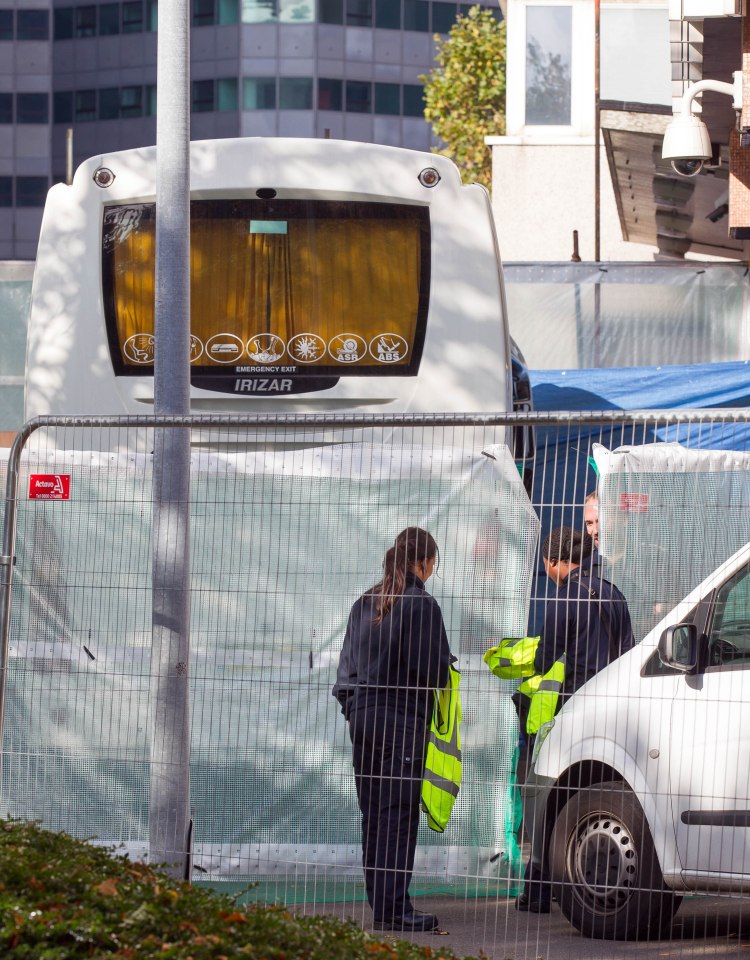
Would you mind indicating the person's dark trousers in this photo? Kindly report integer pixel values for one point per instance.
(536, 883)
(388, 767)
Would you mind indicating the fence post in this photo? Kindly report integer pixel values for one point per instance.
(169, 806)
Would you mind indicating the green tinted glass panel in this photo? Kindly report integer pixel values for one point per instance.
(388, 14)
(109, 19)
(387, 99)
(331, 11)
(417, 15)
(63, 23)
(226, 94)
(109, 103)
(443, 16)
(6, 108)
(32, 108)
(295, 93)
(413, 100)
(259, 93)
(358, 96)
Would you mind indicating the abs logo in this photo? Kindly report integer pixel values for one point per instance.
(388, 348)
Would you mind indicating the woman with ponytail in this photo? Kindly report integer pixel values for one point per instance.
(395, 655)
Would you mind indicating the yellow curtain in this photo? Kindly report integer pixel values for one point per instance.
(325, 277)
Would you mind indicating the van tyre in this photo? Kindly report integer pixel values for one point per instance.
(604, 867)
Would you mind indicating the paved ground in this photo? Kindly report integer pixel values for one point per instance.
(703, 927)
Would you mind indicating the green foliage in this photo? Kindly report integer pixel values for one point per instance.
(465, 93)
(63, 899)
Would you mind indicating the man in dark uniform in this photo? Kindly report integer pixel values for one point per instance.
(587, 619)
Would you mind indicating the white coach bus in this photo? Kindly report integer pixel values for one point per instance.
(326, 276)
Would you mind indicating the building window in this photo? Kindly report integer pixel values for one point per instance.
(62, 106)
(388, 99)
(358, 13)
(228, 11)
(549, 41)
(417, 15)
(32, 108)
(443, 16)
(32, 25)
(85, 22)
(6, 108)
(152, 15)
(203, 13)
(226, 94)
(331, 11)
(259, 11)
(413, 100)
(259, 93)
(85, 105)
(388, 14)
(109, 103)
(31, 191)
(6, 191)
(297, 11)
(131, 102)
(6, 24)
(358, 97)
(330, 94)
(63, 23)
(109, 19)
(295, 93)
(132, 17)
(151, 100)
(203, 96)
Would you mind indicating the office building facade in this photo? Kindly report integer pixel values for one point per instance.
(311, 68)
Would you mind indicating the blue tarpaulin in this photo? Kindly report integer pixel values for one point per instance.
(563, 471)
(687, 386)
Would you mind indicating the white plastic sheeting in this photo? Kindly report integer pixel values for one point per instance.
(668, 516)
(282, 542)
(588, 315)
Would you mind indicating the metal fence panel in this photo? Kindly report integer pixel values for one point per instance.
(650, 757)
(282, 542)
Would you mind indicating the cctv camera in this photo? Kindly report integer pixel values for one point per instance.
(687, 144)
(687, 166)
(721, 211)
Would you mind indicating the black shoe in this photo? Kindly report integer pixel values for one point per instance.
(414, 920)
(524, 905)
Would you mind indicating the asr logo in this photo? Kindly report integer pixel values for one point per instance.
(347, 348)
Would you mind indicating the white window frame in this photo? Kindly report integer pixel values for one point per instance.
(581, 80)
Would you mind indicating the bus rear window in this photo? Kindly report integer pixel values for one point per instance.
(308, 288)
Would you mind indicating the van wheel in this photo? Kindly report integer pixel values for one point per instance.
(604, 867)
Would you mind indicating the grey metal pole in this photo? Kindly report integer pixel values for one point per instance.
(169, 809)
(69, 156)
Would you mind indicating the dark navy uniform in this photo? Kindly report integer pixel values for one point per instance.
(387, 674)
(587, 620)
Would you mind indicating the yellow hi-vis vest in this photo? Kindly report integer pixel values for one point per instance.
(442, 765)
(514, 658)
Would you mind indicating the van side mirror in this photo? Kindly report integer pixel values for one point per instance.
(678, 647)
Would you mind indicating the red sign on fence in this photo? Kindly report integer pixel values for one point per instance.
(49, 486)
(634, 502)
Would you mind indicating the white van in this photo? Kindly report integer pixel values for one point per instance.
(640, 789)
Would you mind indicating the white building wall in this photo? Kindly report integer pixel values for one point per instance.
(544, 175)
(542, 192)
